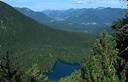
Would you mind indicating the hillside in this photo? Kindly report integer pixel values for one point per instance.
(31, 42)
(87, 15)
(92, 20)
(38, 16)
(80, 20)
(92, 28)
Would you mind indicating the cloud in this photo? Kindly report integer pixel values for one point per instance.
(85, 1)
(65, 4)
(78, 2)
(101, 2)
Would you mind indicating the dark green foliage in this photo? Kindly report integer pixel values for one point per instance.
(115, 52)
(120, 67)
(121, 37)
(117, 24)
(103, 64)
(122, 43)
(35, 75)
(8, 70)
(74, 77)
(32, 42)
(120, 23)
(99, 66)
(108, 61)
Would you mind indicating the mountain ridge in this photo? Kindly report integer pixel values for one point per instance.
(78, 13)
(30, 42)
(35, 15)
(83, 20)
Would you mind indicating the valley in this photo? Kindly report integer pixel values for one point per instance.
(31, 42)
(92, 20)
(62, 45)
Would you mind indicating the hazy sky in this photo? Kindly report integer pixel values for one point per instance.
(40, 5)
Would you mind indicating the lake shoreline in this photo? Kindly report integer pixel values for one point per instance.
(61, 69)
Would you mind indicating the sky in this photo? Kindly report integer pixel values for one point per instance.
(40, 5)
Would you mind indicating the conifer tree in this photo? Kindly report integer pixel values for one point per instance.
(8, 70)
(100, 64)
(121, 37)
(35, 75)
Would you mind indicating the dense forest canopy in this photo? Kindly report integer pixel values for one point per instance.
(106, 62)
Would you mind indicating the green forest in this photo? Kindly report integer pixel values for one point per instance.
(28, 49)
(29, 40)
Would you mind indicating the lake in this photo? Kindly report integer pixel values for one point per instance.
(62, 69)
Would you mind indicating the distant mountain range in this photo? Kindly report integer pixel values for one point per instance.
(78, 20)
(34, 42)
(38, 16)
(97, 15)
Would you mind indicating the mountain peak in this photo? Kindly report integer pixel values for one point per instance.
(100, 8)
(24, 8)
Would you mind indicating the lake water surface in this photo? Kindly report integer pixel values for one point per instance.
(62, 69)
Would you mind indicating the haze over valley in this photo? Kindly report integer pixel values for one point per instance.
(92, 20)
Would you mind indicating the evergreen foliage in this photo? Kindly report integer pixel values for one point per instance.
(74, 77)
(100, 66)
(108, 59)
(8, 70)
(121, 37)
(35, 75)
(32, 42)
(122, 43)
(104, 64)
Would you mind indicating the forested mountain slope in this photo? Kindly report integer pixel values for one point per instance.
(32, 42)
(78, 20)
(38, 16)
